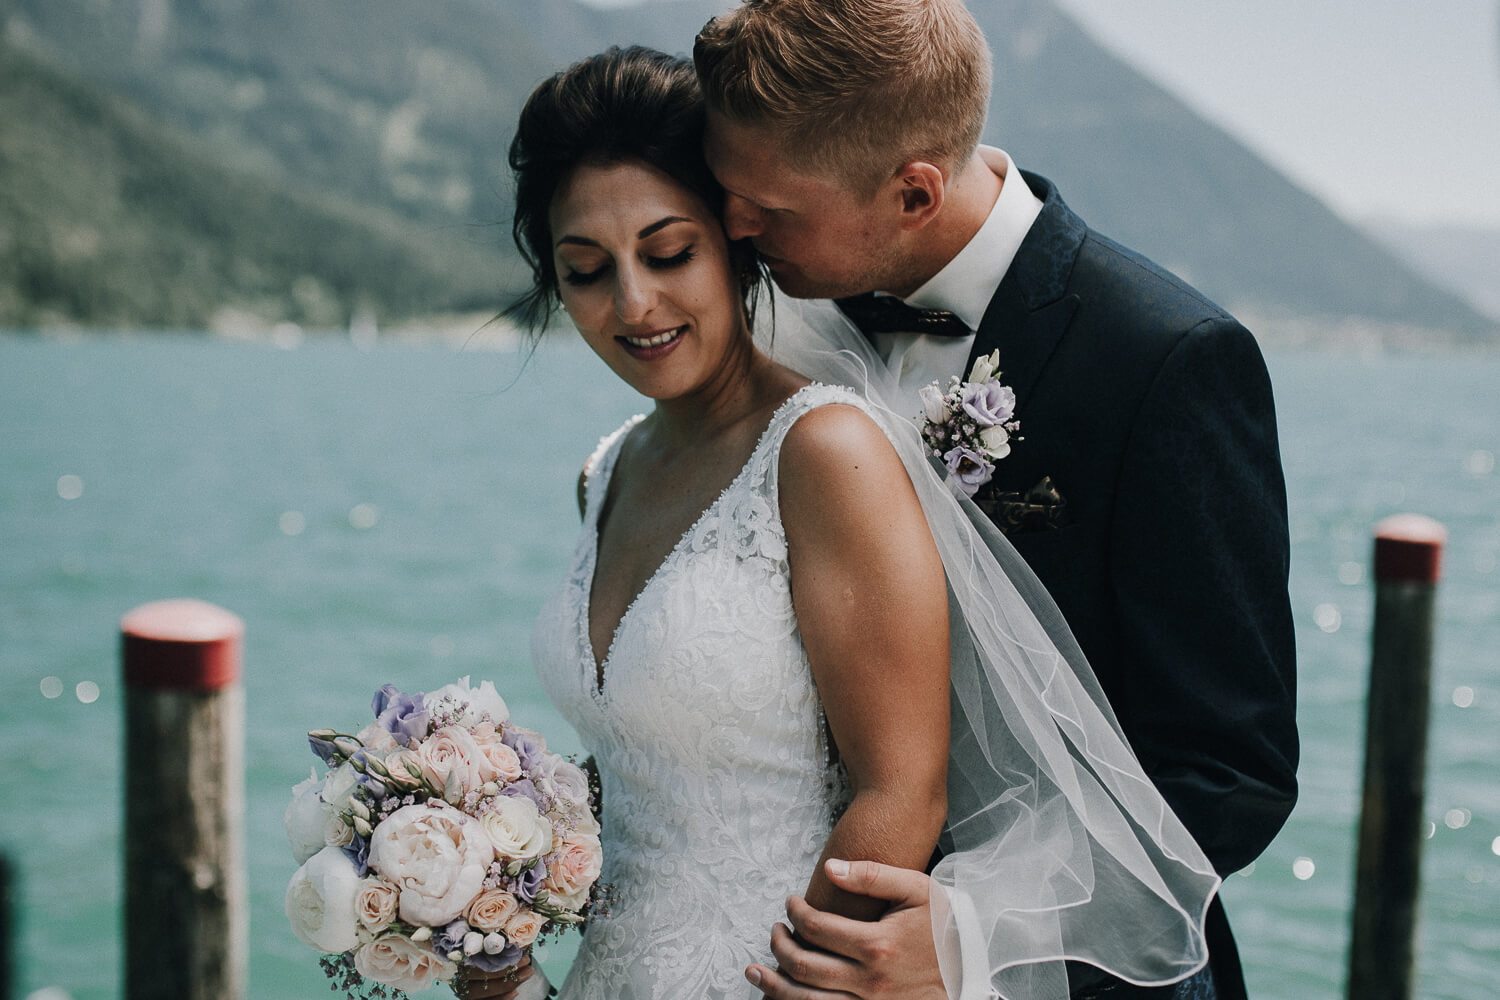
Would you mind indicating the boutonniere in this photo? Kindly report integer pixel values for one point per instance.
(971, 426)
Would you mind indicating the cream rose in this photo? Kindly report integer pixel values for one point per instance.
(450, 751)
(306, 818)
(396, 960)
(335, 831)
(491, 909)
(320, 902)
(574, 870)
(585, 822)
(375, 903)
(516, 829)
(523, 928)
(497, 762)
(566, 781)
(437, 855)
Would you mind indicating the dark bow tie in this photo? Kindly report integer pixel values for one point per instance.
(888, 314)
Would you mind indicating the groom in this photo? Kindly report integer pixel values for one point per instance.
(1147, 491)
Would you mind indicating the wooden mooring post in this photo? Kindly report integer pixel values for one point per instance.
(1408, 559)
(7, 927)
(186, 915)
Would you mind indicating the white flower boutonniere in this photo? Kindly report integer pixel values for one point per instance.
(971, 426)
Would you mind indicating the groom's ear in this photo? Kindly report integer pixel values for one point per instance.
(921, 188)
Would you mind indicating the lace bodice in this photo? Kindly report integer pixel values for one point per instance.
(709, 736)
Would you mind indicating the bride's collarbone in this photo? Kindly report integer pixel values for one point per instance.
(654, 497)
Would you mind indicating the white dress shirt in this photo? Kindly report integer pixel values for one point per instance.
(964, 286)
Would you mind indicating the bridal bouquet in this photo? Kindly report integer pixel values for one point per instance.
(970, 426)
(439, 835)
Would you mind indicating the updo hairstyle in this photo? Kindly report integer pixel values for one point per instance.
(622, 105)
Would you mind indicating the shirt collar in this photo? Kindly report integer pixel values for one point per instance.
(966, 283)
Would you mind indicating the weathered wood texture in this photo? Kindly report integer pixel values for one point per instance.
(186, 915)
(1408, 554)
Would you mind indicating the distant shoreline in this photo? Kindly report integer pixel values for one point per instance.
(486, 331)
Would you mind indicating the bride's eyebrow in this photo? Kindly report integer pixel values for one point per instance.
(660, 224)
(650, 230)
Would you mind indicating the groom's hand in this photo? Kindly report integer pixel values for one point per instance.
(830, 956)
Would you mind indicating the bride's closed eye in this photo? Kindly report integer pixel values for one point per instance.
(579, 278)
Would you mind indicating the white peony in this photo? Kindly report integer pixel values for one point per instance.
(518, 831)
(306, 818)
(320, 902)
(468, 704)
(396, 960)
(437, 855)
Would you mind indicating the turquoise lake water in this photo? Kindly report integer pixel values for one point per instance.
(399, 514)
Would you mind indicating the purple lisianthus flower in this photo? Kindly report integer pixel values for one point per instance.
(989, 403)
(498, 962)
(527, 745)
(325, 749)
(451, 938)
(358, 851)
(524, 788)
(529, 882)
(403, 715)
(969, 469)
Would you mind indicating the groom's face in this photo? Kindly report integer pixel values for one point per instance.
(819, 238)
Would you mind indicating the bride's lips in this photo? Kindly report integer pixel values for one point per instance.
(650, 346)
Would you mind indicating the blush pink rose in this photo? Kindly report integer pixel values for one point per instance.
(497, 762)
(450, 751)
(523, 928)
(398, 961)
(491, 910)
(574, 870)
(375, 903)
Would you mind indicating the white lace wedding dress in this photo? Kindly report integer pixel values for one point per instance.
(709, 736)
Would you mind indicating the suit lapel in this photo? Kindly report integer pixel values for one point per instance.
(1030, 311)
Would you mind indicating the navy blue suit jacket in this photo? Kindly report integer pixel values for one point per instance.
(1150, 409)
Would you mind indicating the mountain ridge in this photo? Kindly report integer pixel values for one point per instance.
(407, 110)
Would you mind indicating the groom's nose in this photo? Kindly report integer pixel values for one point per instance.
(742, 218)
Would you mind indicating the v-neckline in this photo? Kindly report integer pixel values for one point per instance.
(599, 669)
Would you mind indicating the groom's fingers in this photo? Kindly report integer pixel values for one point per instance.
(899, 886)
(831, 933)
(808, 965)
(776, 986)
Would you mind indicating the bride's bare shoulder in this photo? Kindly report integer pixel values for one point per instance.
(836, 456)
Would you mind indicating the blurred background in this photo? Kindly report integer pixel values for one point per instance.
(249, 254)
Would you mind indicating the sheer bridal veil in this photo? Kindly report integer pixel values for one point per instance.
(1057, 846)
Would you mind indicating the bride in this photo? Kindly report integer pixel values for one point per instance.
(777, 611)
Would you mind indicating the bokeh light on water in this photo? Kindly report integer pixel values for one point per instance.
(196, 455)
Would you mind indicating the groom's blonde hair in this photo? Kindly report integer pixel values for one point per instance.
(851, 88)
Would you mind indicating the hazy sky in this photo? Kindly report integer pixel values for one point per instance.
(1383, 108)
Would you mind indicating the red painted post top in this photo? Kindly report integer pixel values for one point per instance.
(181, 644)
(1409, 548)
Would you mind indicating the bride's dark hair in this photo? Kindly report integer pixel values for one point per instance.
(632, 104)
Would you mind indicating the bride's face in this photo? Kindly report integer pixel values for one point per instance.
(643, 270)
